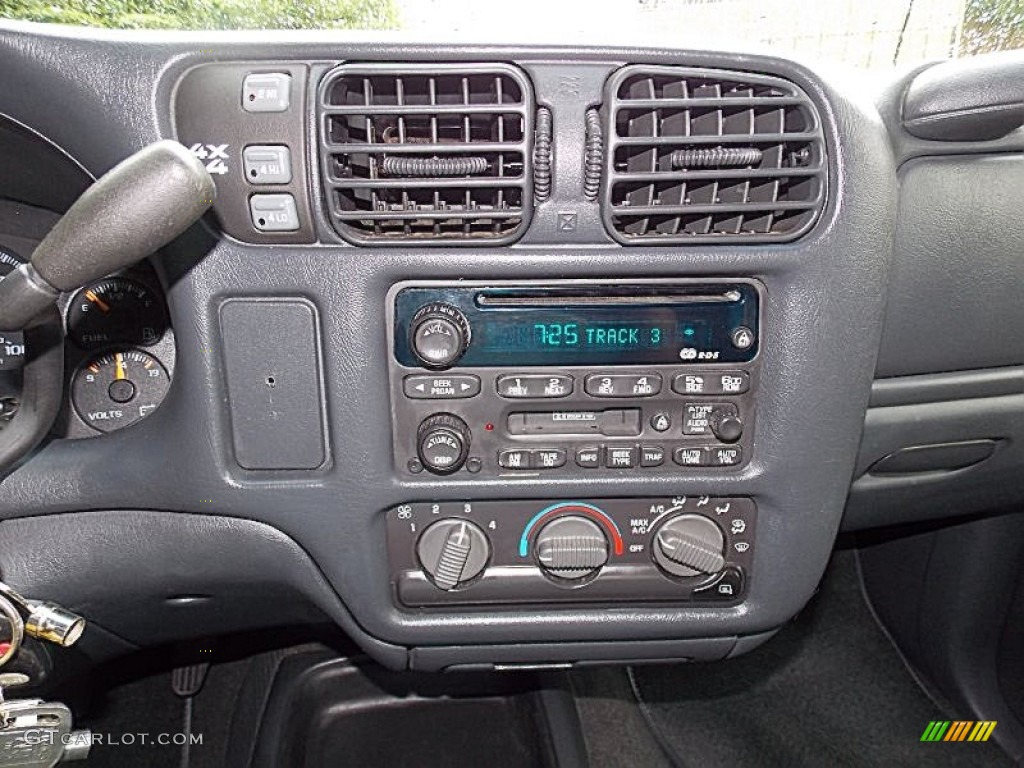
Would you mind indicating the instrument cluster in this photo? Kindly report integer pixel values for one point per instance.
(119, 352)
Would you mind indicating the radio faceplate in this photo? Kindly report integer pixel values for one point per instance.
(658, 377)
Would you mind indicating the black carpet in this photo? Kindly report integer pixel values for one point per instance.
(829, 689)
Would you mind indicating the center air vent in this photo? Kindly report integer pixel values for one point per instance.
(430, 153)
(701, 155)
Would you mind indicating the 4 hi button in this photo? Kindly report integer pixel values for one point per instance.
(267, 164)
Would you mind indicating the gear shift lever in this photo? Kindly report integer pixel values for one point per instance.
(136, 208)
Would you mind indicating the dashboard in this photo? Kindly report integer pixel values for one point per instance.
(505, 356)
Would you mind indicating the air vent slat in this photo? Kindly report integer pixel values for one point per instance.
(738, 207)
(724, 173)
(465, 133)
(499, 182)
(723, 102)
(422, 214)
(728, 138)
(435, 148)
(701, 155)
(334, 110)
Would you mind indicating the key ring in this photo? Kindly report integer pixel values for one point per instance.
(17, 629)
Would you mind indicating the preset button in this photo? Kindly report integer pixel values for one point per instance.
(706, 383)
(526, 386)
(622, 384)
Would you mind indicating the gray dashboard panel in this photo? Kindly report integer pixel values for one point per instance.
(950, 351)
(173, 574)
(822, 320)
(954, 299)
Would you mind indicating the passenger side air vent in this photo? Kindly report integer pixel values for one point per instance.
(427, 152)
(700, 155)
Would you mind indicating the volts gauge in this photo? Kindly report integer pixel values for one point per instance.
(118, 389)
(116, 311)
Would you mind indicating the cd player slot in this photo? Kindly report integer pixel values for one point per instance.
(579, 299)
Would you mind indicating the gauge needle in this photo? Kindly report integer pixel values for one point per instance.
(120, 366)
(91, 296)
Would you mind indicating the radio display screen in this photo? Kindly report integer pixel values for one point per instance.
(567, 335)
(593, 326)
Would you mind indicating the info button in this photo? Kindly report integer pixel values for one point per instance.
(454, 387)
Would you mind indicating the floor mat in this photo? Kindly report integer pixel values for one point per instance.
(141, 722)
(830, 689)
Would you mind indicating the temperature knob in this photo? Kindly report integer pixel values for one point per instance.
(689, 545)
(443, 443)
(571, 547)
(439, 335)
(453, 552)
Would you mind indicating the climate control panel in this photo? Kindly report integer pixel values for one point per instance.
(686, 548)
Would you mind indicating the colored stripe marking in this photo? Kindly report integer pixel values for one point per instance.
(572, 506)
(935, 731)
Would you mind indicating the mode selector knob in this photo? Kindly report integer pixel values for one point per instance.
(452, 552)
(442, 443)
(726, 424)
(571, 547)
(689, 545)
(439, 335)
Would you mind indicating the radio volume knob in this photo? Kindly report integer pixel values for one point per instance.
(439, 335)
(442, 443)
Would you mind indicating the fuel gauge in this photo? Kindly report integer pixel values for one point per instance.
(117, 310)
(118, 389)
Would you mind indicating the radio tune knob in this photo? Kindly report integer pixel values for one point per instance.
(571, 547)
(439, 335)
(689, 545)
(442, 443)
(452, 552)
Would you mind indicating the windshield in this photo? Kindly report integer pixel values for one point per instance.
(871, 34)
